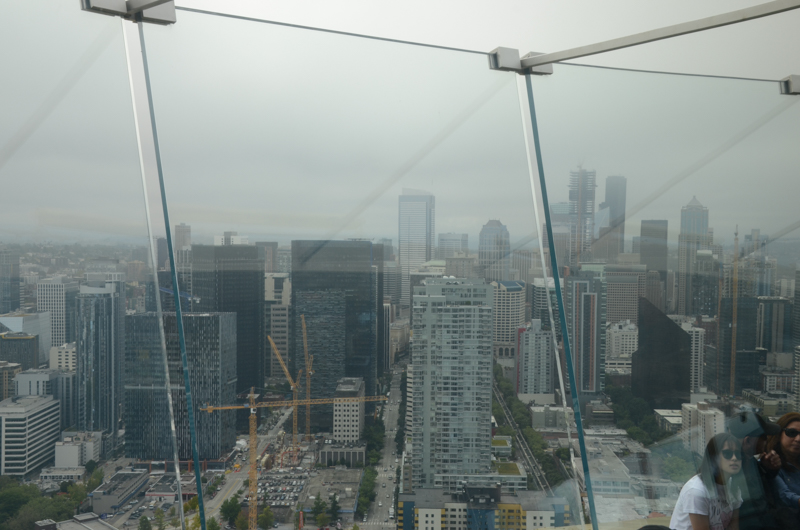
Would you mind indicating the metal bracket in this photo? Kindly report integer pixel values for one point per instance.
(508, 60)
(152, 11)
(790, 85)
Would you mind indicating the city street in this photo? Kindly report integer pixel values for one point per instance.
(378, 515)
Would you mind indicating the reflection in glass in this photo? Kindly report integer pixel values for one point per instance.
(679, 276)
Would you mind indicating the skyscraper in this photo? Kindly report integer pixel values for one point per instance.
(338, 286)
(653, 246)
(230, 279)
(100, 316)
(582, 184)
(494, 251)
(450, 244)
(616, 187)
(535, 360)
(694, 235)
(452, 379)
(660, 368)
(509, 316)
(183, 237)
(625, 284)
(9, 281)
(56, 295)
(773, 324)
(416, 230)
(211, 353)
(585, 323)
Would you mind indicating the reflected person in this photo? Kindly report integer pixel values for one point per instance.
(759, 469)
(787, 483)
(710, 500)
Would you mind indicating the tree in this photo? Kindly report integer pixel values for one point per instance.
(333, 509)
(230, 509)
(355, 527)
(95, 480)
(77, 493)
(241, 522)
(174, 522)
(160, 518)
(144, 524)
(266, 519)
(195, 523)
(322, 520)
(212, 524)
(172, 512)
(58, 509)
(90, 466)
(319, 507)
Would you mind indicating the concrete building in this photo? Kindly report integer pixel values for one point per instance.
(625, 284)
(509, 316)
(58, 475)
(416, 240)
(582, 185)
(47, 382)
(477, 508)
(9, 280)
(56, 295)
(117, 490)
(452, 379)
(535, 360)
(64, 357)
(622, 339)
(39, 324)
(670, 420)
(77, 448)
(84, 521)
(461, 266)
(7, 373)
(551, 418)
(29, 428)
(774, 403)
(585, 308)
(351, 454)
(699, 423)
(348, 416)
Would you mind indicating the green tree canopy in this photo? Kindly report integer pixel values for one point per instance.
(266, 518)
(241, 522)
(90, 466)
(323, 519)
(230, 509)
(212, 524)
(144, 524)
(320, 506)
(160, 518)
(333, 509)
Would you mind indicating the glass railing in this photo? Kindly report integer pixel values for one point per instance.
(357, 234)
(673, 199)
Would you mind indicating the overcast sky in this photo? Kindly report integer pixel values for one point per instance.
(285, 133)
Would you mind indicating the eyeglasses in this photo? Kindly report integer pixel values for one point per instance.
(791, 433)
(728, 454)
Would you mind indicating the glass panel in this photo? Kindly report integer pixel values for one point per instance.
(75, 254)
(673, 199)
(323, 184)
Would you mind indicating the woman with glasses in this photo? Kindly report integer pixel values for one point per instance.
(787, 483)
(710, 500)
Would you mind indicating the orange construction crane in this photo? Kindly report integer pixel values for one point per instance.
(309, 373)
(295, 384)
(252, 405)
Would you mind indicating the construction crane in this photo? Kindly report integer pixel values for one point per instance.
(252, 405)
(309, 372)
(295, 384)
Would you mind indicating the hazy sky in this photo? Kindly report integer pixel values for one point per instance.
(285, 133)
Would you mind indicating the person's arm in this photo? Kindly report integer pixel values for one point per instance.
(700, 522)
(734, 521)
(786, 495)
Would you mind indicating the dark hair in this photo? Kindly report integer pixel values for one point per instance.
(709, 468)
(774, 443)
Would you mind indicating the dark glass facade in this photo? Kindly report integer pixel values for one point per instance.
(347, 277)
(211, 355)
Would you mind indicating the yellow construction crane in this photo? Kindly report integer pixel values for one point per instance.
(295, 384)
(252, 405)
(309, 373)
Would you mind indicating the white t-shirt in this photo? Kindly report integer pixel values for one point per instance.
(694, 498)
